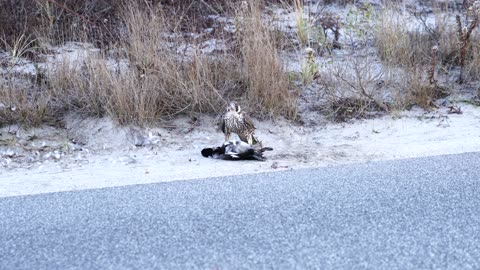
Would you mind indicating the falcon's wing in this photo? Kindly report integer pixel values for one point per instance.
(248, 121)
(220, 122)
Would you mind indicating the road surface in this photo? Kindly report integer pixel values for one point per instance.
(408, 214)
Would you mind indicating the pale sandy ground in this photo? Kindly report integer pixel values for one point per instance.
(95, 153)
(110, 158)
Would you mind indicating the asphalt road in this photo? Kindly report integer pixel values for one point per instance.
(410, 214)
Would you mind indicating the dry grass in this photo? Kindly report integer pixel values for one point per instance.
(348, 108)
(268, 84)
(445, 36)
(301, 22)
(158, 82)
(19, 105)
(58, 20)
(421, 93)
(472, 68)
(81, 89)
(412, 51)
(392, 39)
(164, 83)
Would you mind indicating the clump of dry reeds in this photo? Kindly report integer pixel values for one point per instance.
(348, 108)
(20, 105)
(157, 81)
(392, 39)
(416, 53)
(464, 35)
(268, 88)
(423, 93)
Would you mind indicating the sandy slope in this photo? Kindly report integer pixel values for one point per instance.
(106, 155)
(93, 153)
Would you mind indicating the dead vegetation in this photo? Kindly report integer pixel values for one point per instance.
(352, 87)
(268, 84)
(149, 62)
(159, 81)
(442, 48)
(465, 34)
(19, 105)
(345, 109)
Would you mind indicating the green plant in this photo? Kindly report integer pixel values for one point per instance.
(312, 30)
(360, 23)
(309, 67)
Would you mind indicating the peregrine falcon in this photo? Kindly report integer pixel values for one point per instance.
(237, 150)
(236, 121)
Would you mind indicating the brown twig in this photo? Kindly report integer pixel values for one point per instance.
(433, 63)
(459, 27)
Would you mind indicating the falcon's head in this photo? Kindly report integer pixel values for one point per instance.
(233, 107)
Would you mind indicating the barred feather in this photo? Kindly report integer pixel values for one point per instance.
(240, 124)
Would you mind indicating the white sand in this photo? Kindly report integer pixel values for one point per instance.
(95, 153)
(113, 160)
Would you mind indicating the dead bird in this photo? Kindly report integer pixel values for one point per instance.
(237, 150)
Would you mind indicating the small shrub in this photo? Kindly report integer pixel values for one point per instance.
(328, 22)
(348, 108)
(421, 92)
(19, 105)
